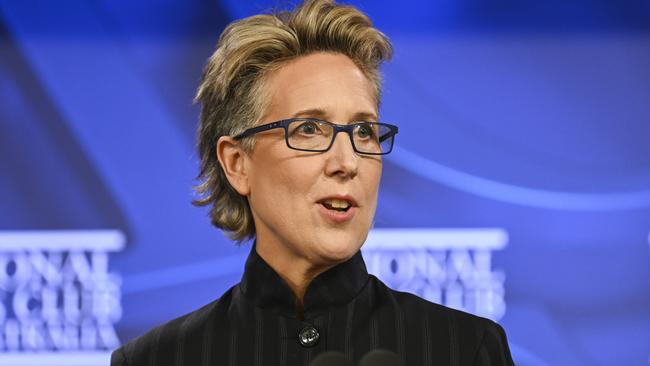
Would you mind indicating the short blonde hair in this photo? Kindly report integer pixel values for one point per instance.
(232, 96)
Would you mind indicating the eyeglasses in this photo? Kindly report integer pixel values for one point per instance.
(312, 134)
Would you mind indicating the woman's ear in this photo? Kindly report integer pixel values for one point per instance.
(232, 158)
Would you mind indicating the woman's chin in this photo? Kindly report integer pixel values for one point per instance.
(338, 251)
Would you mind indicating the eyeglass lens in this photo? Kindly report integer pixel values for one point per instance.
(317, 136)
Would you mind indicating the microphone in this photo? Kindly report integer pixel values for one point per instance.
(381, 357)
(331, 358)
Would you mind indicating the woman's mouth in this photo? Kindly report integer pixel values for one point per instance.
(336, 205)
(338, 210)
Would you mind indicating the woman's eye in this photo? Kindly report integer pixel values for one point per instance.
(365, 131)
(308, 128)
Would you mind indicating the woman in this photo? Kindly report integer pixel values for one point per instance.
(291, 151)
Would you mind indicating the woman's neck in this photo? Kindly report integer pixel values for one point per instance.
(297, 272)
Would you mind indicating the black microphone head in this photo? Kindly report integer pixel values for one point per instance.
(331, 358)
(381, 357)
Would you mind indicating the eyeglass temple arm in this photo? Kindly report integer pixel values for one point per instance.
(254, 130)
(387, 135)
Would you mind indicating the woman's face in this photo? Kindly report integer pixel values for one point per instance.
(290, 190)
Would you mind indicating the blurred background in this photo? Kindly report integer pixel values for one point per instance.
(530, 116)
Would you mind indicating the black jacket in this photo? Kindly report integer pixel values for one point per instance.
(345, 309)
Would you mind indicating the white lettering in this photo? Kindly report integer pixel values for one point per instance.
(64, 300)
(453, 268)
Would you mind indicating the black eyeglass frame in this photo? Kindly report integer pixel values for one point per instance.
(349, 129)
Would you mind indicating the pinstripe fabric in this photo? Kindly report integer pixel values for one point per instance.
(254, 323)
(232, 356)
(259, 338)
(399, 330)
(426, 354)
(155, 341)
(348, 330)
(453, 344)
(284, 340)
(206, 347)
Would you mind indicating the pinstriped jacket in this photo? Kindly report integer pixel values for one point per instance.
(345, 309)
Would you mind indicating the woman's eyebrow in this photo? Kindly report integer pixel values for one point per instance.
(365, 116)
(320, 113)
(311, 112)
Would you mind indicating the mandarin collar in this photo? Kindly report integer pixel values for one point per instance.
(338, 285)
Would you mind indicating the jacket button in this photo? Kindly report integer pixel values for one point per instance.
(308, 336)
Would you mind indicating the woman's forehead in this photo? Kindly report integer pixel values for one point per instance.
(323, 86)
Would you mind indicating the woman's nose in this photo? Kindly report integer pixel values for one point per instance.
(342, 160)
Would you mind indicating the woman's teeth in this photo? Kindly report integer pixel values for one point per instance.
(340, 205)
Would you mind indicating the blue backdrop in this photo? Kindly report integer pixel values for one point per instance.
(531, 116)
